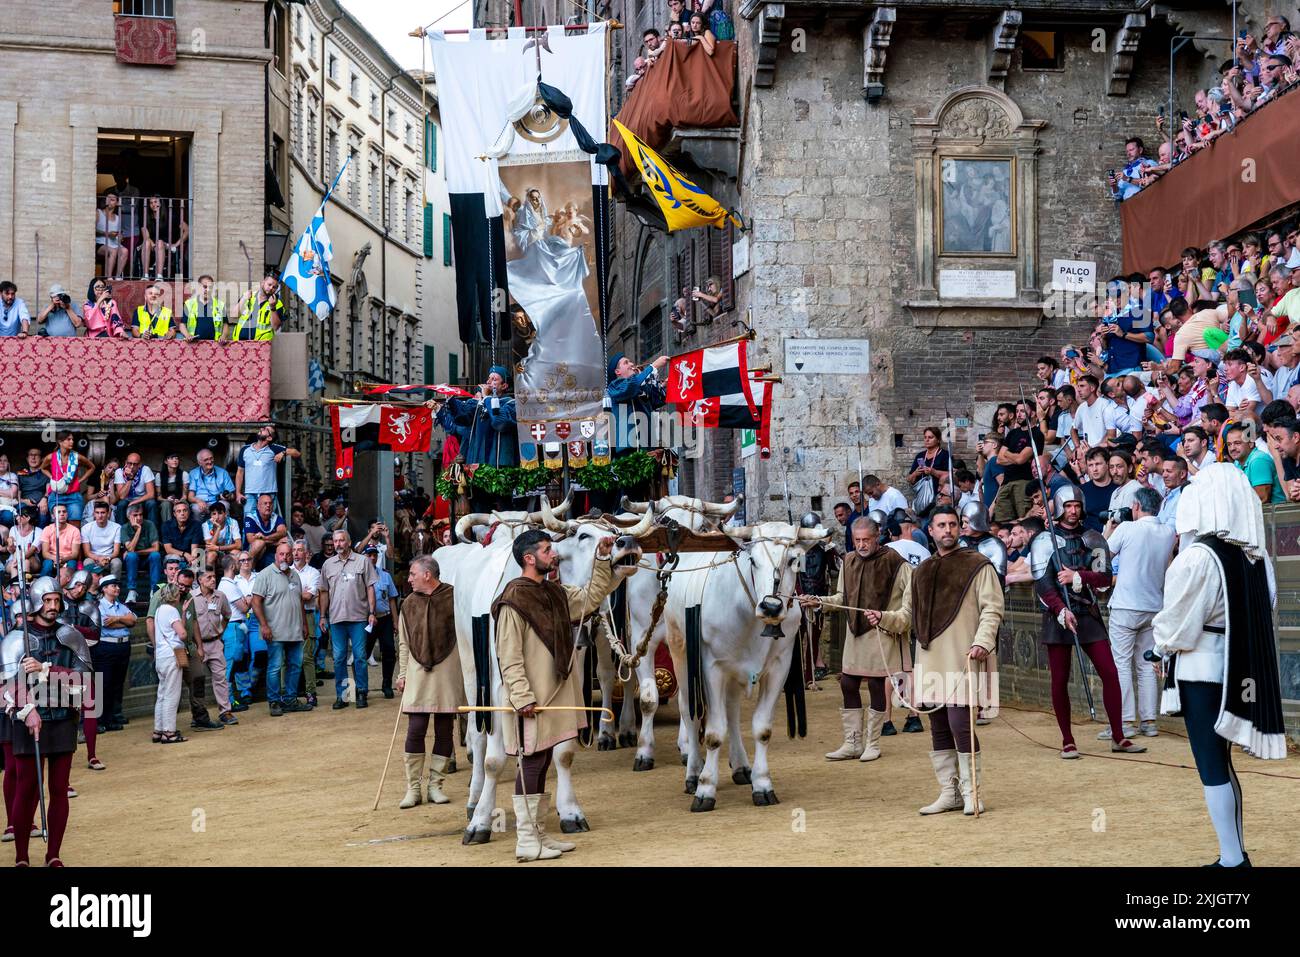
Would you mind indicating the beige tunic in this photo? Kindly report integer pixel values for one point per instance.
(940, 676)
(863, 653)
(528, 671)
(440, 691)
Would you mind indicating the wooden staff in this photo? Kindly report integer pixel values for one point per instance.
(606, 713)
(387, 759)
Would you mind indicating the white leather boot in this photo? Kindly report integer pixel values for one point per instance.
(970, 775)
(528, 846)
(543, 810)
(437, 774)
(945, 769)
(851, 718)
(875, 724)
(414, 769)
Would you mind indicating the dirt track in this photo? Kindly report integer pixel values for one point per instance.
(298, 791)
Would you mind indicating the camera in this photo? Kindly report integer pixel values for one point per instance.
(1118, 515)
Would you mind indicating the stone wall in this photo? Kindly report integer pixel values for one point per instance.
(829, 182)
(62, 83)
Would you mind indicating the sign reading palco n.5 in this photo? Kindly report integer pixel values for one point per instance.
(827, 356)
(1073, 274)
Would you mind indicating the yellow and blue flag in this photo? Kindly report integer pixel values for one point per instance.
(683, 204)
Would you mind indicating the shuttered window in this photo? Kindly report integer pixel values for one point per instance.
(430, 366)
(446, 239)
(430, 145)
(428, 230)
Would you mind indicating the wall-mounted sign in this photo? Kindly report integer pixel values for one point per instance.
(1073, 274)
(827, 356)
(977, 284)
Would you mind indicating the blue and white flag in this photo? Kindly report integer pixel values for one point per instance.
(315, 376)
(307, 272)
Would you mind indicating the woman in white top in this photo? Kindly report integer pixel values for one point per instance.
(25, 535)
(9, 494)
(170, 660)
(108, 238)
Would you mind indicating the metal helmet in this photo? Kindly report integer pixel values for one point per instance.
(80, 578)
(974, 515)
(901, 515)
(810, 520)
(42, 587)
(878, 516)
(1064, 494)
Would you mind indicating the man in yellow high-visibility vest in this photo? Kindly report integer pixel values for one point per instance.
(153, 320)
(205, 314)
(259, 318)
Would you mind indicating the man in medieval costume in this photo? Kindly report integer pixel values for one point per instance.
(1221, 654)
(957, 609)
(536, 650)
(1070, 573)
(44, 669)
(429, 679)
(875, 590)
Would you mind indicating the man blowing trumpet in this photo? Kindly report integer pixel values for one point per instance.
(875, 585)
(956, 612)
(535, 620)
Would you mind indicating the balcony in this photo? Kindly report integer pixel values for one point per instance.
(147, 386)
(1239, 181)
(683, 106)
(139, 238)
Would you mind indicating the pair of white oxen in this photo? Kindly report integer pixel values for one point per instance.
(740, 595)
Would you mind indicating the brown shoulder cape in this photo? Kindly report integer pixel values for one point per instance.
(429, 624)
(939, 586)
(868, 583)
(545, 607)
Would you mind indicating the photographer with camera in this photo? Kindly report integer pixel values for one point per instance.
(1142, 548)
(59, 318)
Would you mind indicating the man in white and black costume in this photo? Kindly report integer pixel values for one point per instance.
(1221, 654)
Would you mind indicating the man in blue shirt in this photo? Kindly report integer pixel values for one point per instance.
(181, 535)
(386, 605)
(207, 483)
(257, 461)
(1127, 337)
(635, 395)
(490, 423)
(112, 654)
(1127, 182)
(263, 528)
(14, 317)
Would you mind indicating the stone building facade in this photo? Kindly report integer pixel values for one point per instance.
(66, 99)
(350, 101)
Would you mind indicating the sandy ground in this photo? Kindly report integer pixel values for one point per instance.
(297, 790)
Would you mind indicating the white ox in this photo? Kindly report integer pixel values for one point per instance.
(695, 515)
(479, 574)
(743, 599)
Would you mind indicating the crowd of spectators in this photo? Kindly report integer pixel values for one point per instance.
(702, 21)
(141, 238)
(1257, 73)
(204, 315)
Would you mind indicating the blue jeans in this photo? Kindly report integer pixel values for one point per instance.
(234, 641)
(241, 643)
(343, 634)
(74, 501)
(320, 644)
(47, 564)
(276, 653)
(150, 512)
(132, 562)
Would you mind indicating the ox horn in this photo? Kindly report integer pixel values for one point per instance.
(813, 534)
(740, 532)
(627, 505)
(643, 526)
(561, 510)
(726, 510)
(549, 519)
(464, 525)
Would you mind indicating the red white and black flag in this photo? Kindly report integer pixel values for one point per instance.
(371, 426)
(709, 373)
(735, 412)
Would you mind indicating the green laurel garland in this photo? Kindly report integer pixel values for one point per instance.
(628, 471)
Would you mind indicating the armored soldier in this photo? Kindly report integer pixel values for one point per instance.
(45, 664)
(1071, 569)
(975, 534)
